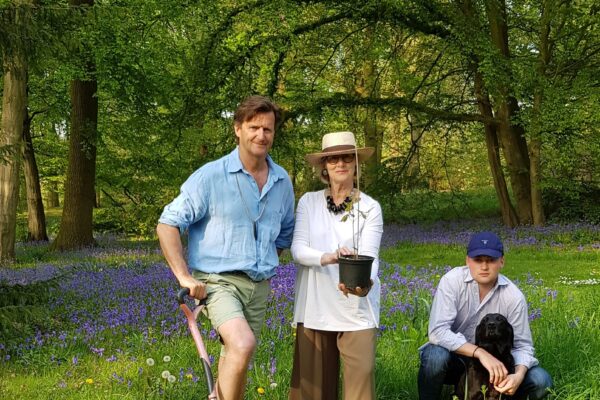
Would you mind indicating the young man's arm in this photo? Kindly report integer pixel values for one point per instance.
(444, 313)
(497, 370)
(523, 346)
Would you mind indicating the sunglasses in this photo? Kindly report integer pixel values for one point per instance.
(347, 158)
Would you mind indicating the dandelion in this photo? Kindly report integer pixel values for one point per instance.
(171, 379)
(167, 358)
(89, 381)
(260, 390)
(165, 374)
(150, 361)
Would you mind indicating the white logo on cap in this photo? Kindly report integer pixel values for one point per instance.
(484, 241)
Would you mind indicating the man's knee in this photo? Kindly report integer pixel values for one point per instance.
(238, 338)
(242, 344)
(539, 380)
(434, 359)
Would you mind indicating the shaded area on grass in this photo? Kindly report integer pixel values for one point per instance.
(578, 235)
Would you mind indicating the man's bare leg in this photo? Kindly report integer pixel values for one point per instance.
(240, 344)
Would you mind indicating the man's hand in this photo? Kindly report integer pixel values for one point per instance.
(512, 382)
(497, 370)
(197, 288)
(357, 291)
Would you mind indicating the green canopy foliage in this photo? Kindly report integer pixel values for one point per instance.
(170, 73)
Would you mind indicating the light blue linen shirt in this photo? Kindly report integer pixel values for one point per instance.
(456, 311)
(221, 231)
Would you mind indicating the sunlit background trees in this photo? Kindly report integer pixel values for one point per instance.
(109, 105)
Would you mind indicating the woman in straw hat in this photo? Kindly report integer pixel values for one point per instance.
(334, 322)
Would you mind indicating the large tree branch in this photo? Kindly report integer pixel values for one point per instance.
(426, 16)
(343, 100)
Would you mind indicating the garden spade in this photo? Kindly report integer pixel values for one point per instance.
(192, 316)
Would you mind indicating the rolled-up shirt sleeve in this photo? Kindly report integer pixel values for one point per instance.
(443, 313)
(284, 240)
(523, 351)
(188, 207)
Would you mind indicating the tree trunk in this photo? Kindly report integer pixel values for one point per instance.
(373, 138)
(13, 107)
(535, 150)
(367, 87)
(412, 173)
(510, 132)
(76, 225)
(36, 219)
(514, 148)
(539, 219)
(509, 217)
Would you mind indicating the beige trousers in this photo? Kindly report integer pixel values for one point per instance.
(316, 370)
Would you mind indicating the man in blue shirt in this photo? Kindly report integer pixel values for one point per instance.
(239, 213)
(463, 297)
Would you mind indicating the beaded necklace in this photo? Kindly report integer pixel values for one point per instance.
(339, 208)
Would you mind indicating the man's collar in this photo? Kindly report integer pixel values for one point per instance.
(235, 164)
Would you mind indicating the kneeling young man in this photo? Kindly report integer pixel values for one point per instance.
(463, 297)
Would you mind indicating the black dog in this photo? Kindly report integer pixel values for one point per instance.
(495, 335)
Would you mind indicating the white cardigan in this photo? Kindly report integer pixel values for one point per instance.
(319, 304)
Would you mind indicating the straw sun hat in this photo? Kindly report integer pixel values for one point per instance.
(335, 143)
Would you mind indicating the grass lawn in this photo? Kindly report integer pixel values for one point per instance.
(85, 325)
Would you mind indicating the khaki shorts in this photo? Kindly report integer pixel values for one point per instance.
(235, 295)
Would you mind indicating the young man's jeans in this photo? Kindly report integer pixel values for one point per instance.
(440, 366)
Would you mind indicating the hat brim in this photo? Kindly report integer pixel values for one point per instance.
(485, 252)
(364, 153)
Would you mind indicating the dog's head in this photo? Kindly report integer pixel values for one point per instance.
(496, 332)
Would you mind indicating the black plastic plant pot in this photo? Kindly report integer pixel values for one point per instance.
(355, 271)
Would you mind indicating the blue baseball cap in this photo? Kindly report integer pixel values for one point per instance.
(485, 244)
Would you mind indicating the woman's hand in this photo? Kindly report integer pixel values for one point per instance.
(333, 258)
(357, 291)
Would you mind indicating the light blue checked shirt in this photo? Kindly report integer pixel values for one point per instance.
(456, 312)
(221, 231)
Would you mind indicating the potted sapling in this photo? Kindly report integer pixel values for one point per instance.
(355, 269)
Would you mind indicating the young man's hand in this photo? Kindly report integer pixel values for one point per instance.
(512, 382)
(496, 369)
